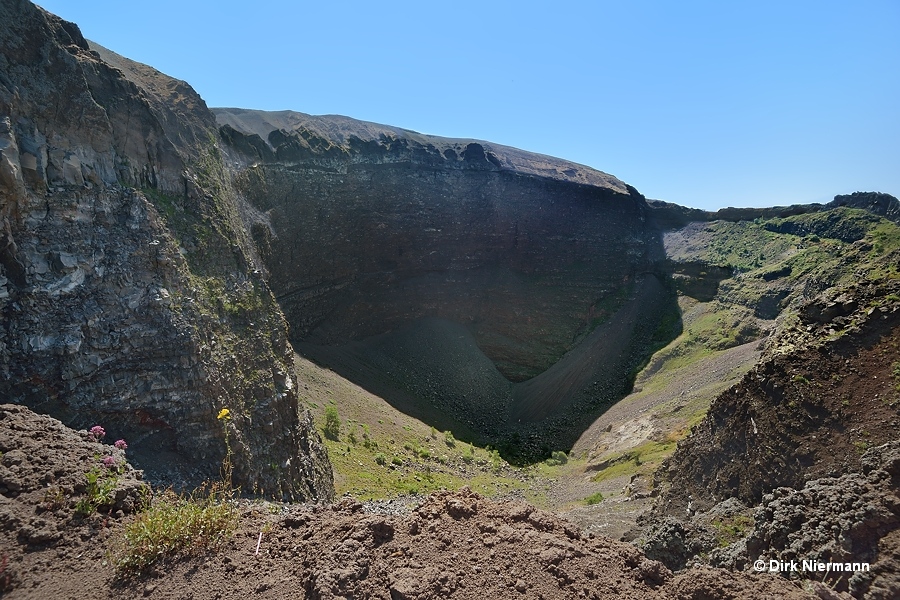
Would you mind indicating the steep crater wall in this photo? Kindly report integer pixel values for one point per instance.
(371, 232)
(128, 291)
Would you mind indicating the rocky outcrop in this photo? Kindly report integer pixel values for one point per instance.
(823, 392)
(371, 232)
(852, 518)
(877, 203)
(848, 519)
(798, 461)
(672, 216)
(128, 289)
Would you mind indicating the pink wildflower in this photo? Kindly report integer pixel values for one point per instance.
(109, 462)
(98, 432)
(120, 444)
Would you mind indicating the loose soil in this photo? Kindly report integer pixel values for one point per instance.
(453, 544)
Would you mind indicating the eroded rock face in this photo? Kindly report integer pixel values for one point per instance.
(800, 460)
(371, 232)
(127, 286)
(369, 227)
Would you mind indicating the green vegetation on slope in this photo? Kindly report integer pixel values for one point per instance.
(777, 265)
(378, 452)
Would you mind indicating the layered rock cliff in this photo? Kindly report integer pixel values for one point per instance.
(499, 293)
(505, 295)
(129, 291)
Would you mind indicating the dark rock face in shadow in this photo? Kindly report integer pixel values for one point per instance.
(373, 235)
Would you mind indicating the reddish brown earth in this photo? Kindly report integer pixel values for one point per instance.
(827, 390)
(454, 545)
(801, 460)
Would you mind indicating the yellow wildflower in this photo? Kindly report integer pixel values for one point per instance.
(224, 414)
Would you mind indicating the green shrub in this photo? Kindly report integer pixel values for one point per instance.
(381, 459)
(558, 457)
(496, 461)
(594, 499)
(332, 427)
(449, 439)
(396, 460)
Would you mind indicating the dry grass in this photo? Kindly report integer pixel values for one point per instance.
(176, 525)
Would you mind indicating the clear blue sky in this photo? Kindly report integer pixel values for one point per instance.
(706, 104)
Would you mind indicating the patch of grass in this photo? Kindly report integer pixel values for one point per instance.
(642, 459)
(596, 498)
(730, 530)
(177, 525)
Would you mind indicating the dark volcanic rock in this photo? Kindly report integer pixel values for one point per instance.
(822, 392)
(878, 203)
(128, 289)
(846, 519)
(800, 461)
(369, 230)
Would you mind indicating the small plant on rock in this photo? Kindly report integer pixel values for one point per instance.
(101, 483)
(100, 490)
(54, 498)
(227, 464)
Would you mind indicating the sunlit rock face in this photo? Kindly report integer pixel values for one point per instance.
(128, 291)
(370, 232)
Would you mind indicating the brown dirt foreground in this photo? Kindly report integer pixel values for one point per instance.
(454, 545)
